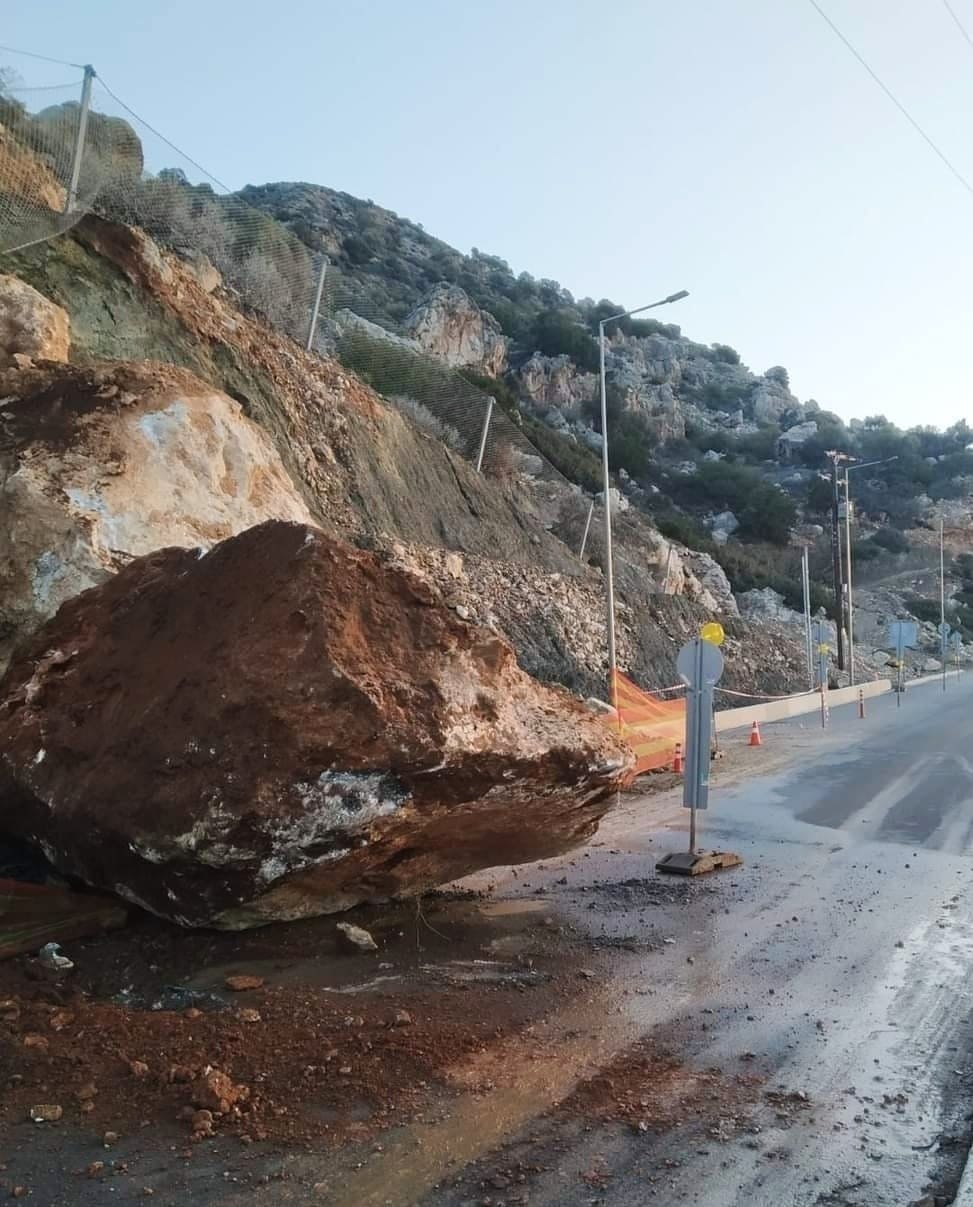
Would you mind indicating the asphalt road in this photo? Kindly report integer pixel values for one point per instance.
(836, 967)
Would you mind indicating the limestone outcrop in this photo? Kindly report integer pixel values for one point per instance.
(99, 465)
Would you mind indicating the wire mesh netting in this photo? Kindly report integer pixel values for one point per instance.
(441, 398)
(128, 171)
(38, 133)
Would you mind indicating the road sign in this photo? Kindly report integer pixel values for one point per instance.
(956, 640)
(713, 633)
(699, 667)
(902, 635)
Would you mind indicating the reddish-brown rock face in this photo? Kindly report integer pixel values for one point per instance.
(286, 727)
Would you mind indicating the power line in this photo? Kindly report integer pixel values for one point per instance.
(959, 24)
(171, 145)
(29, 54)
(894, 99)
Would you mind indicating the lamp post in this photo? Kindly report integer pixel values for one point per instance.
(851, 622)
(609, 562)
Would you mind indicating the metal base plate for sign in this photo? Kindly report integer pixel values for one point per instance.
(684, 864)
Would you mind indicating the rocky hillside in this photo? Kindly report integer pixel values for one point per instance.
(722, 458)
(213, 421)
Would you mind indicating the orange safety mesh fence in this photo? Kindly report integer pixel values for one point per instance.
(652, 727)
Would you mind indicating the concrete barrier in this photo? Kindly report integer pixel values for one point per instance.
(796, 706)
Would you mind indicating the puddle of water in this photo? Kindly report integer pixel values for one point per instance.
(492, 972)
(503, 909)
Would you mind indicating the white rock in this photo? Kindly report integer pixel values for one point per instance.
(447, 324)
(30, 324)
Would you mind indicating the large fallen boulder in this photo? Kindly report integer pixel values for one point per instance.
(283, 727)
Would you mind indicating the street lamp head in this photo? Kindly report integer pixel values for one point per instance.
(678, 297)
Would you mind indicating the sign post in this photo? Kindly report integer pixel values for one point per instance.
(822, 650)
(700, 666)
(944, 632)
(902, 635)
(956, 641)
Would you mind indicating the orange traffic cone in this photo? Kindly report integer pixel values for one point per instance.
(755, 738)
(677, 759)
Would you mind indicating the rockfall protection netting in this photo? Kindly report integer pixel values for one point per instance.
(438, 397)
(130, 172)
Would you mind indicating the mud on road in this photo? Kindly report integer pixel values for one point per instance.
(792, 1032)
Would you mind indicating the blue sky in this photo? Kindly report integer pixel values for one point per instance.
(730, 147)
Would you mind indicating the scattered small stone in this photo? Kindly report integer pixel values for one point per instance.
(60, 1019)
(109, 1138)
(95, 1169)
(354, 939)
(45, 1113)
(402, 1018)
(49, 957)
(192, 1013)
(249, 1015)
(586, 973)
(202, 1122)
(86, 1092)
(241, 983)
(36, 1041)
(217, 1092)
(138, 1068)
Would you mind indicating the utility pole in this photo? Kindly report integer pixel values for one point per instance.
(806, 584)
(943, 627)
(851, 611)
(839, 600)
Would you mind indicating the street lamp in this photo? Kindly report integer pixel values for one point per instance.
(609, 562)
(851, 623)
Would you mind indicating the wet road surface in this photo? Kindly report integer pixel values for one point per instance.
(836, 967)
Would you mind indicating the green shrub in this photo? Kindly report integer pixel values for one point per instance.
(750, 567)
(558, 333)
(891, 539)
(678, 526)
(497, 388)
(819, 496)
(725, 354)
(923, 609)
(576, 461)
(630, 443)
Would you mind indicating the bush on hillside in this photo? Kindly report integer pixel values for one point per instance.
(722, 395)
(820, 496)
(558, 333)
(725, 354)
(630, 443)
(923, 609)
(764, 511)
(576, 461)
(677, 526)
(891, 539)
